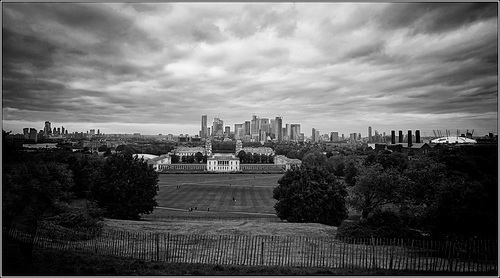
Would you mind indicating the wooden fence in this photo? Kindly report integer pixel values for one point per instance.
(416, 255)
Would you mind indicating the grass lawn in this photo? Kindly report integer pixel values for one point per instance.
(215, 192)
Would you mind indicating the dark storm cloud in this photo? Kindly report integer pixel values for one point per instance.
(19, 48)
(342, 65)
(434, 17)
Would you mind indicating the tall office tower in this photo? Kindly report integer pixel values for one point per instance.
(58, 131)
(227, 130)
(204, 131)
(334, 136)
(317, 136)
(409, 139)
(247, 128)
(400, 136)
(279, 128)
(254, 126)
(359, 136)
(393, 137)
(385, 139)
(313, 137)
(272, 124)
(33, 135)
(237, 129)
(208, 131)
(92, 131)
(370, 134)
(26, 132)
(47, 130)
(288, 131)
(62, 130)
(217, 127)
(417, 136)
(265, 125)
(66, 132)
(98, 131)
(377, 137)
(352, 137)
(54, 131)
(295, 131)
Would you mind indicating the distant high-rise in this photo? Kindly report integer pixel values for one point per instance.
(370, 134)
(409, 139)
(47, 129)
(313, 135)
(295, 132)
(26, 132)
(247, 128)
(227, 131)
(279, 128)
(62, 130)
(334, 136)
(58, 131)
(54, 131)
(400, 136)
(393, 137)
(33, 134)
(217, 127)
(417, 136)
(92, 132)
(204, 131)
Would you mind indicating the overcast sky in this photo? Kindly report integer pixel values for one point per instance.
(156, 68)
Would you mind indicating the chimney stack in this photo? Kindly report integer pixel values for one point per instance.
(417, 136)
(409, 139)
(393, 137)
(400, 136)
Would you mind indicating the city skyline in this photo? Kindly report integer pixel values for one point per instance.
(336, 67)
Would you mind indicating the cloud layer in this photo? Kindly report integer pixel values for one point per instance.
(156, 68)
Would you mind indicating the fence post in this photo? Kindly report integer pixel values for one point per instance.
(373, 253)
(262, 254)
(157, 247)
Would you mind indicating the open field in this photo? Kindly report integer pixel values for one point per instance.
(214, 193)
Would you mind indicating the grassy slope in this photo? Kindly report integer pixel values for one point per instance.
(236, 227)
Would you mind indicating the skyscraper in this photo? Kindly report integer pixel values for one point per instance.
(217, 127)
(334, 136)
(247, 128)
(33, 134)
(47, 129)
(370, 134)
(295, 131)
(313, 137)
(279, 128)
(26, 132)
(204, 131)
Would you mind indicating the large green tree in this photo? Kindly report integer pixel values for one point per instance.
(375, 187)
(310, 195)
(127, 188)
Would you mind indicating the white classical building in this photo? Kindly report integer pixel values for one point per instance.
(252, 150)
(287, 162)
(158, 162)
(223, 163)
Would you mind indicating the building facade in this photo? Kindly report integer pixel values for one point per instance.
(223, 163)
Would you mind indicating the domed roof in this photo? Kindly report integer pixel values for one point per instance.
(453, 140)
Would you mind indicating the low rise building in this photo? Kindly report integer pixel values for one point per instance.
(223, 163)
(289, 163)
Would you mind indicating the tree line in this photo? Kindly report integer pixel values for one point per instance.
(452, 193)
(42, 186)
